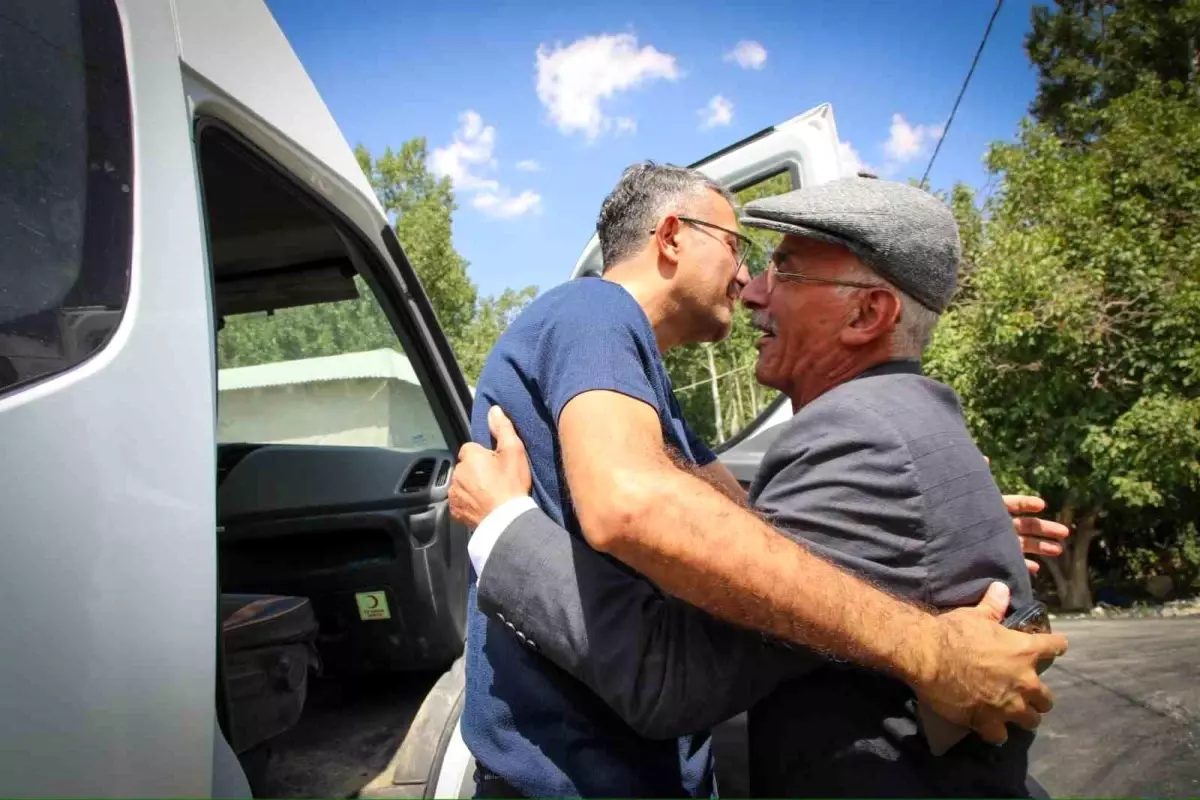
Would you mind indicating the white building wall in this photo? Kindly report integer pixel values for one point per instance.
(370, 412)
(344, 412)
(412, 424)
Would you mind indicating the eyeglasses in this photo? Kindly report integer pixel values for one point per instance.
(741, 247)
(774, 273)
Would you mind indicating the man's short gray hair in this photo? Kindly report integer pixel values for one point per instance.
(645, 192)
(914, 332)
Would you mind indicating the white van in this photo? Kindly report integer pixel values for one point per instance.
(171, 180)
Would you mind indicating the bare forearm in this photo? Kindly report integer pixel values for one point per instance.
(718, 557)
(721, 479)
(677, 671)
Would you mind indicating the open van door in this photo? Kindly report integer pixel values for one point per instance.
(339, 408)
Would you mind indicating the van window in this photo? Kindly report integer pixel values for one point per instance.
(66, 184)
(306, 353)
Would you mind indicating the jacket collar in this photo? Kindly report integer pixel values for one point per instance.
(897, 366)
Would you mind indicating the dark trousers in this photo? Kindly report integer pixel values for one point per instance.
(488, 784)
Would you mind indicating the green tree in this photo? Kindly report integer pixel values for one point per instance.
(492, 316)
(1089, 52)
(324, 329)
(970, 230)
(1076, 349)
(423, 206)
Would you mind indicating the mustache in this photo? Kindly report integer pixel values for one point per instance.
(763, 321)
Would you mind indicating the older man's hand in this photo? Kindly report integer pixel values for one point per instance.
(987, 675)
(484, 479)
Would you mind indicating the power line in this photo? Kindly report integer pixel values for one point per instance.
(710, 380)
(987, 32)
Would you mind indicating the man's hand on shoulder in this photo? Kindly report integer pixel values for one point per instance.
(485, 479)
(984, 674)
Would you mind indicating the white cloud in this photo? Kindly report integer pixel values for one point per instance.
(467, 160)
(906, 142)
(503, 205)
(748, 54)
(573, 81)
(851, 161)
(626, 125)
(471, 147)
(529, 165)
(717, 113)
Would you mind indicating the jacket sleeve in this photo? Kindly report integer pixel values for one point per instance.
(666, 667)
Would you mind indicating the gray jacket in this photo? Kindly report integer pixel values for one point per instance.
(878, 475)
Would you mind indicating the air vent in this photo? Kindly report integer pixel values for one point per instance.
(418, 477)
(443, 474)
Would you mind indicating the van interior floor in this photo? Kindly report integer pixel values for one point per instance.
(346, 736)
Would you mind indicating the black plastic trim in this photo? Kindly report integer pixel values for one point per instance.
(420, 299)
(740, 143)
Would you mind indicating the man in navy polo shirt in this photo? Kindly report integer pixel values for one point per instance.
(581, 376)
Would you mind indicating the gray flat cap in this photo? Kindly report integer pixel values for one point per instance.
(904, 233)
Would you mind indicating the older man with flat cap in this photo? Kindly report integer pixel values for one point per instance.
(875, 472)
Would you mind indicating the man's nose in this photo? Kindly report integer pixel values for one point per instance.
(742, 276)
(754, 293)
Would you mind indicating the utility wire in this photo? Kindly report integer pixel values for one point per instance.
(710, 380)
(987, 32)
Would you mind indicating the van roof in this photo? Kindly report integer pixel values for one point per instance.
(238, 47)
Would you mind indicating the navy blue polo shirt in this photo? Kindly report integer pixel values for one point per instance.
(524, 719)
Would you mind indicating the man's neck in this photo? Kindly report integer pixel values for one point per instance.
(833, 369)
(654, 296)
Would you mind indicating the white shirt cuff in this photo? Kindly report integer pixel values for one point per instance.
(480, 545)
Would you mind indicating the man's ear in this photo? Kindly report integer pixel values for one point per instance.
(876, 315)
(666, 237)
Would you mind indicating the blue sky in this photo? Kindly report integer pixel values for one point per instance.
(582, 89)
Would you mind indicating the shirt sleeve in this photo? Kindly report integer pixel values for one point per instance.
(493, 526)
(597, 341)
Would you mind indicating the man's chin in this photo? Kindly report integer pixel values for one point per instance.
(721, 329)
(764, 376)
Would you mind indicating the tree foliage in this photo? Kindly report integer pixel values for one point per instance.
(325, 329)
(1090, 52)
(423, 207)
(1075, 345)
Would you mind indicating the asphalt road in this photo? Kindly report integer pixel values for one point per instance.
(1126, 721)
